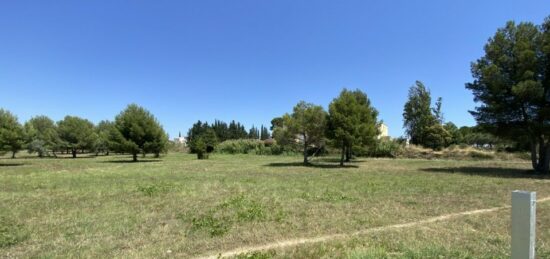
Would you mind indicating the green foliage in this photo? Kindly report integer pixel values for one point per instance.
(385, 147)
(11, 232)
(138, 131)
(76, 133)
(254, 133)
(41, 136)
(215, 226)
(203, 143)
(218, 220)
(104, 142)
(308, 123)
(248, 146)
(11, 133)
(511, 82)
(264, 133)
(436, 137)
(352, 121)
(420, 124)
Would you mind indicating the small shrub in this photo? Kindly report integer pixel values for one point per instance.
(213, 225)
(385, 148)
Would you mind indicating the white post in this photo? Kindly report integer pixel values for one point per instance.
(524, 206)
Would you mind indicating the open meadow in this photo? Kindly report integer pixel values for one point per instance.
(178, 206)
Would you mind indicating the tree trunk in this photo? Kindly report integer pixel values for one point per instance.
(348, 153)
(74, 153)
(534, 160)
(13, 154)
(343, 154)
(134, 156)
(541, 160)
(305, 149)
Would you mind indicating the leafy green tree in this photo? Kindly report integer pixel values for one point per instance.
(438, 114)
(282, 134)
(276, 122)
(42, 136)
(452, 129)
(76, 134)
(308, 122)
(221, 129)
(11, 133)
(436, 137)
(417, 113)
(139, 132)
(352, 121)
(104, 142)
(204, 143)
(512, 84)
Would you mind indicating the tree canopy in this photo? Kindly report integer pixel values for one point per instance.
(42, 135)
(308, 122)
(352, 121)
(76, 133)
(512, 85)
(139, 132)
(12, 135)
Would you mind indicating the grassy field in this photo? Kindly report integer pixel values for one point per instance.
(177, 206)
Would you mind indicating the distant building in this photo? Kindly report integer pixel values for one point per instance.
(181, 140)
(383, 128)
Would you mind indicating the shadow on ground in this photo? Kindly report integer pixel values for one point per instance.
(11, 164)
(130, 161)
(300, 164)
(334, 160)
(489, 172)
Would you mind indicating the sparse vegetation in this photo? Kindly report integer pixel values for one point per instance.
(105, 207)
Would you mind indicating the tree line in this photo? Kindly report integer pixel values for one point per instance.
(203, 137)
(134, 131)
(350, 122)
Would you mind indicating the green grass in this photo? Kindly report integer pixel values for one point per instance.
(179, 206)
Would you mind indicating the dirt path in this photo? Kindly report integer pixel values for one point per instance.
(300, 241)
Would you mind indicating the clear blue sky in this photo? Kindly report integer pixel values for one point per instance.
(244, 60)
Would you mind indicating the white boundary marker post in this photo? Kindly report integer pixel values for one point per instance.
(524, 206)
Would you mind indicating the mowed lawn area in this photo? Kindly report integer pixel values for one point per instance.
(177, 206)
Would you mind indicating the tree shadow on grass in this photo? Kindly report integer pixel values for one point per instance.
(334, 160)
(130, 161)
(11, 164)
(300, 164)
(489, 172)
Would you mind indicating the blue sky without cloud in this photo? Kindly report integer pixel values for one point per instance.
(244, 60)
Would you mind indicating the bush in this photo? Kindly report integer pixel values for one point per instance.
(249, 146)
(385, 148)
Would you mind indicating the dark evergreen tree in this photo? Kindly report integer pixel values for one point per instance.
(352, 122)
(264, 133)
(253, 133)
(76, 134)
(139, 132)
(512, 84)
